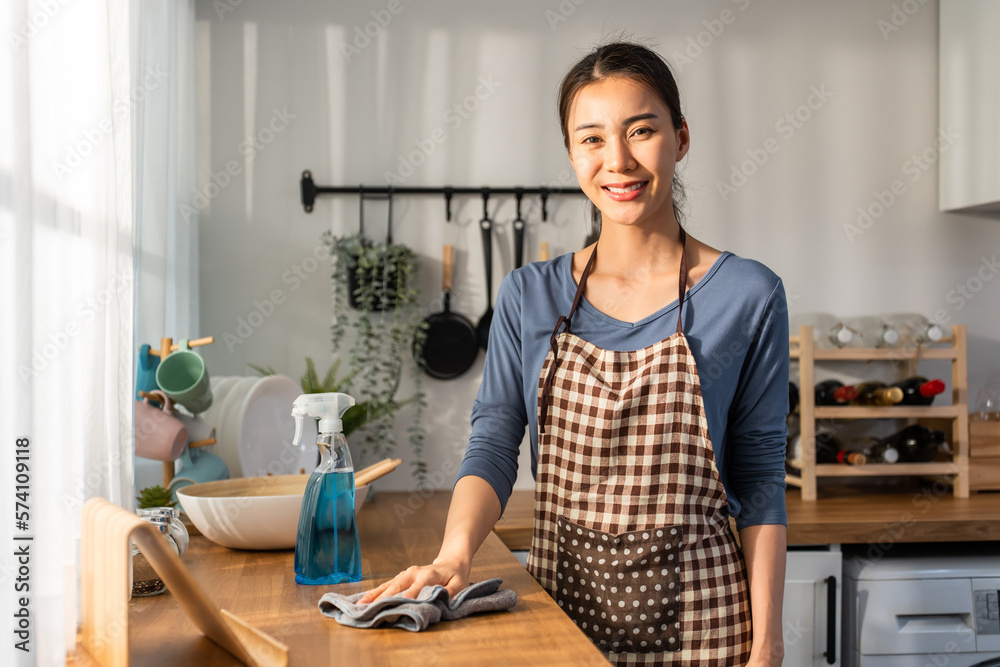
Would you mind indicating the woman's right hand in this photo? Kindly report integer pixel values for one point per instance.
(408, 583)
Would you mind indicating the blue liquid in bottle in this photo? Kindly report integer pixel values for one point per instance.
(327, 548)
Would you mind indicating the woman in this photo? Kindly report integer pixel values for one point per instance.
(632, 402)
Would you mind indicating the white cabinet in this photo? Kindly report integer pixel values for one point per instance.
(810, 612)
(969, 107)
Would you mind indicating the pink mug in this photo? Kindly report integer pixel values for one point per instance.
(158, 434)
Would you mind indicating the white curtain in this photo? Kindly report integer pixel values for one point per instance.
(166, 197)
(78, 88)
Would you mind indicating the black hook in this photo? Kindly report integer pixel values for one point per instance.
(388, 231)
(486, 198)
(545, 200)
(518, 194)
(447, 204)
(361, 213)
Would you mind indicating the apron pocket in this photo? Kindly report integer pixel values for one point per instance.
(624, 590)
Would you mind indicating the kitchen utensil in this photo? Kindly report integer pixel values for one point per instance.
(145, 377)
(264, 440)
(518, 234)
(159, 435)
(376, 470)
(251, 512)
(105, 555)
(183, 377)
(543, 252)
(451, 343)
(483, 327)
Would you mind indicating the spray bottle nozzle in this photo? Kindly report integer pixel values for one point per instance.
(328, 408)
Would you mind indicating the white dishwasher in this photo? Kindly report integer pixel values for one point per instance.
(924, 608)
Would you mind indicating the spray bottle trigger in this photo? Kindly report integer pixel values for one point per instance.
(297, 414)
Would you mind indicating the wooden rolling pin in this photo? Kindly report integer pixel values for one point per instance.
(374, 471)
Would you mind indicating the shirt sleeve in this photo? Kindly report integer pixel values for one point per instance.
(757, 429)
(499, 416)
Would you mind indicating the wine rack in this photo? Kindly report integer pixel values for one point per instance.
(952, 347)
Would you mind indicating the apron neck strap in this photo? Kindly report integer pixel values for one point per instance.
(565, 320)
(580, 289)
(681, 288)
(682, 279)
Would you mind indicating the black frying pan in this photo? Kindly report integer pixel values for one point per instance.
(451, 344)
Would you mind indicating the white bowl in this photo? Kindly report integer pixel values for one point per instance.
(256, 513)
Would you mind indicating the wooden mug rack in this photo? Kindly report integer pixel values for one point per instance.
(167, 346)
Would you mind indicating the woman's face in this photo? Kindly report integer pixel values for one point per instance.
(623, 148)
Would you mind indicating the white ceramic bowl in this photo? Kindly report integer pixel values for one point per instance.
(255, 513)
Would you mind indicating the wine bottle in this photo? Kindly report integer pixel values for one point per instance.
(830, 450)
(828, 331)
(914, 329)
(877, 393)
(834, 392)
(919, 390)
(916, 443)
(883, 452)
(872, 331)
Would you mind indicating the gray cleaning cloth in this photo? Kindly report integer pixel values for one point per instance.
(431, 605)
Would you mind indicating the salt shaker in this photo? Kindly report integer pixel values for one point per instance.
(145, 581)
(178, 530)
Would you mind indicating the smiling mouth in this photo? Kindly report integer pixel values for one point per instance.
(628, 188)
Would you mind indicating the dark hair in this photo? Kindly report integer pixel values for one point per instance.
(636, 62)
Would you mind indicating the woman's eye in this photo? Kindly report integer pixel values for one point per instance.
(590, 140)
(642, 131)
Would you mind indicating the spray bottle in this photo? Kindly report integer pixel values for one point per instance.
(327, 549)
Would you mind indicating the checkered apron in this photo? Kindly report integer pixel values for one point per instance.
(631, 528)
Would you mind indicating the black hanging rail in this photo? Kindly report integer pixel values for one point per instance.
(310, 190)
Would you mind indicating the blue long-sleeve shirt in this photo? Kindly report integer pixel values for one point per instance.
(736, 323)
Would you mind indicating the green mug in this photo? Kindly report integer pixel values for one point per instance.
(182, 376)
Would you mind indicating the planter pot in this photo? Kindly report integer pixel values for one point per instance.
(356, 283)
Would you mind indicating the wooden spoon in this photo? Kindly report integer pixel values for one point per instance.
(374, 471)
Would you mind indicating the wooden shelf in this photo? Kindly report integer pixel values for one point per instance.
(801, 347)
(886, 469)
(890, 412)
(882, 354)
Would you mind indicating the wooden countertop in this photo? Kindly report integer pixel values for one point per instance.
(842, 515)
(259, 587)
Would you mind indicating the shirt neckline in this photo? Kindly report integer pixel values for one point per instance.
(590, 308)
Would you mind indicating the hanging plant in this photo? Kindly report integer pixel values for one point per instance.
(378, 280)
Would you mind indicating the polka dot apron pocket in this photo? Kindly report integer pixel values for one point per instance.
(623, 590)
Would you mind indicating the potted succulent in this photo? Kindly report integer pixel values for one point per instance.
(375, 274)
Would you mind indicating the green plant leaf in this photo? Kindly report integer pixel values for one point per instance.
(310, 381)
(262, 371)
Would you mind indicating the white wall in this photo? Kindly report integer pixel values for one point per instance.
(353, 119)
